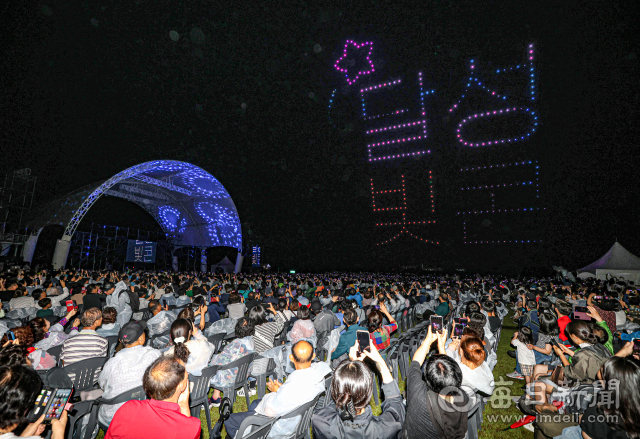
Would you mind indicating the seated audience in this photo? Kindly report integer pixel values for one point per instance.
(195, 347)
(240, 346)
(301, 386)
(436, 406)
(87, 343)
(109, 326)
(347, 338)
(125, 370)
(266, 331)
(379, 333)
(166, 415)
(349, 413)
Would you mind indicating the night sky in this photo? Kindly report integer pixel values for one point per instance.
(90, 88)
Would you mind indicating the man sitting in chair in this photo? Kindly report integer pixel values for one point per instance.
(125, 370)
(304, 384)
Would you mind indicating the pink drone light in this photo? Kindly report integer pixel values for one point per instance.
(352, 76)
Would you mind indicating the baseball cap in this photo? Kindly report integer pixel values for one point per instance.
(130, 332)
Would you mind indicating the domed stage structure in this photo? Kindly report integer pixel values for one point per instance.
(190, 205)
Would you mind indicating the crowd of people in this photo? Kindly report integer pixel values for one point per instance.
(571, 337)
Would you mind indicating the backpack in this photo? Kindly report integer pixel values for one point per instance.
(134, 300)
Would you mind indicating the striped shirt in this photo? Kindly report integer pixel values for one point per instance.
(87, 344)
(265, 334)
(22, 302)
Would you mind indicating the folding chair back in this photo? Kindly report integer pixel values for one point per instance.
(55, 352)
(261, 427)
(243, 366)
(216, 341)
(305, 412)
(135, 394)
(85, 373)
(198, 396)
(113, 342)
(154, 337)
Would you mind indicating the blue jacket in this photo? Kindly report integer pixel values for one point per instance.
(357, 297)
(347, 339)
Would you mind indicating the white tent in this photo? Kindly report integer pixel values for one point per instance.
(225, 264)
(617, 262)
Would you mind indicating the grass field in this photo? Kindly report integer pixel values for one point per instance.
(495, 419)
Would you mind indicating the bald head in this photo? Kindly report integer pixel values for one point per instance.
(302, 354)
(162, 379)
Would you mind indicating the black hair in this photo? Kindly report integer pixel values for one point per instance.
(626, 370)
(477, 317)
(19, 387)
(258, 315)
(600, 333)
(36, 293)
(282, 304)
(303, 313)
(244, 328)
(162, 378)
(532, 304)
(563, 307)
(442, 372)
(42, 303)
(488, 306)
(548, 324)
(349, 317)
(470, 308)
(234, 298)
(13, 355)
(153, 305)
(181, 328)
(352, 381)
(544, 304)
(375, 320)
(525, 335)
(582, 330)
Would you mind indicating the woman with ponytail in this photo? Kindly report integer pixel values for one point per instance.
(190, 346)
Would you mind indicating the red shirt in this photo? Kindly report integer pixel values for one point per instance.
(562, 324)
(152, 419)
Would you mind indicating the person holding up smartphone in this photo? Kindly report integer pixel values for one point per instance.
(20, 388)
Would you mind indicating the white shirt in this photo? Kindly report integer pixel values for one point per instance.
(124, 372)
(301, 387)
(55, 300)
(525, 355)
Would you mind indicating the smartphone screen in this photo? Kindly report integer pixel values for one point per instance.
(11, 335)
(464, 322)
(59, 401)
(636, 344)
(597, 297)
(164, 303)
(363, 341)
(436, 323)
(458, 330)
(580, 313)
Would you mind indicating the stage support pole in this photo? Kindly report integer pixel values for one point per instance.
(239, 261)
(29, 247)
(61, 252)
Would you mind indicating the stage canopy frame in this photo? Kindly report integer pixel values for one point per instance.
(191, 206)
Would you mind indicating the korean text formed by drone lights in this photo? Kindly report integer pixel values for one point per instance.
(404, 223)
(347, 64)
(475, 82)
(400, 127)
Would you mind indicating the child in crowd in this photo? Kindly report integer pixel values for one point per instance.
(525, 355)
